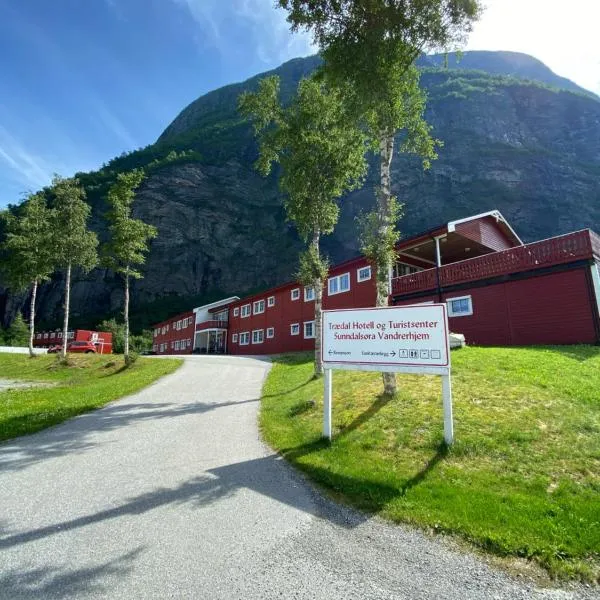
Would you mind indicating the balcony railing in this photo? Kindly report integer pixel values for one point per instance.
(213, 324)
(554, 251)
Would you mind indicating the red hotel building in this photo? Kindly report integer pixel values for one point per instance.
(101, 339)
(499, 291)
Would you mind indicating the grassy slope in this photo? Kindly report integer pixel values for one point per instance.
(523, 478)
(89, 383)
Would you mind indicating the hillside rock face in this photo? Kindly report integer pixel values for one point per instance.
(527, 150)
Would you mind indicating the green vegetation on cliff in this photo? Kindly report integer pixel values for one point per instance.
(530, 151)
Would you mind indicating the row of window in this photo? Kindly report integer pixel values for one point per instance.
(335, 285)
(45, 336)
(258, 335)
(457, 307)
(175, 345)
(177, 326)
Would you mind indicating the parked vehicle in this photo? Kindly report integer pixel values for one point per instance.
(76, 347)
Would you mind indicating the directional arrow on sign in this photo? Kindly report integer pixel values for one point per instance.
(393, 353)
(331, 352)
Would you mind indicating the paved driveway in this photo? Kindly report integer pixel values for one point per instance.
(171, 494)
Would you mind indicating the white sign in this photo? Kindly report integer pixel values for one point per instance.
(404, 339)
(397, 337)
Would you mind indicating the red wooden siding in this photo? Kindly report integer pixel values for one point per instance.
(554, 251)
(485, 231)
(287, 311)
(173, 335)
(549, 309)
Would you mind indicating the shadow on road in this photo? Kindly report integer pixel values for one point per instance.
(58, 582)
(74, 436)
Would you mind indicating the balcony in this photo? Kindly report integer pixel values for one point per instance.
(563, 249)
(212, 324)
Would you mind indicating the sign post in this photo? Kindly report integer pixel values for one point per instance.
(407, 339)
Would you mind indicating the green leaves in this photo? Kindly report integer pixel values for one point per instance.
(319, 147)
(74, 244)
(129, 237)
(28, 245)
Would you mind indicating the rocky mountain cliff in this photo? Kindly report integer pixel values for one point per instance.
(513, 141)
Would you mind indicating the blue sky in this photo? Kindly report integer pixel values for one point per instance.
(83, 80)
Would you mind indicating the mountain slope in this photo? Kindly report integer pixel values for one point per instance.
(531, 151)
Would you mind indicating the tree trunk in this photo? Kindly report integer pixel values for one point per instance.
(126, 316)
(318, 287)
(384, 207)
(32, 317)
(67, 303)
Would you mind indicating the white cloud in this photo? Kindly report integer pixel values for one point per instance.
(563, 36)
(28, 169)
(266, 31)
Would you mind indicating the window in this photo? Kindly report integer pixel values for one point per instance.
(363, 274)
(234, 338)
(258, 336)
(179, 325)
(163, 330)
(38, 336)
(271, 301)
(45, 336)
(236, 311)
(309, 329)
(401, 269)
(270, 332)
(460, 307)
(339, 284)
(295, 293)
(246, 310)
(295, 329)
(177, 345)
(258, 307)
(244, 338)
(167, 328)
(309, 293)
(60, 335)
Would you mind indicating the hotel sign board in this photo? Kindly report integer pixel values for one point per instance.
(401, 338)
(397, 339)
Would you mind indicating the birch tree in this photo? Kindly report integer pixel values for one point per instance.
(321, 153)
(128, 244)
(29, 250)
(74, 245)
(369, 48)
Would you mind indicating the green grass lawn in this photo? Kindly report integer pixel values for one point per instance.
(89, 382)
(521, 480)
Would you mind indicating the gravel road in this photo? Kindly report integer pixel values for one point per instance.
(170, 493)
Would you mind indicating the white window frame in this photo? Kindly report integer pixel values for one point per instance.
(236, 311)
(296, 326)
(308, 297)
(358, 276)
(234, 338)
(245, 335)
(262, 336)
(295, 294)
(261, 307)
(270, 333)
(270, 301)
(451, 313)
(246, 311)
(189, 343)
(312, 324)
(337, 279)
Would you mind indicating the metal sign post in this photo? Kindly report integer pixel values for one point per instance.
(407, 339)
